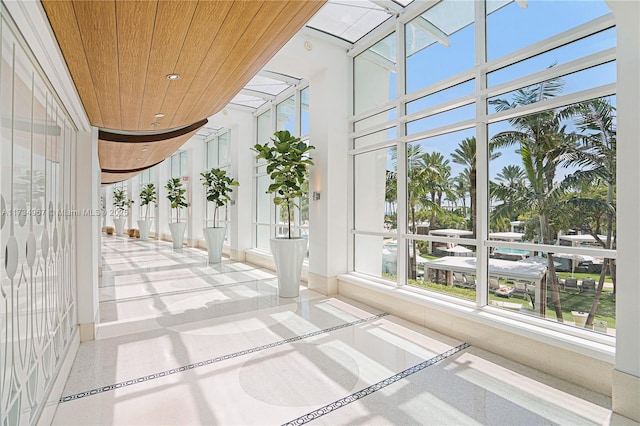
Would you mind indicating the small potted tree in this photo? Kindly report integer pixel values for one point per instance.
(217, 187)
(121, 206)
(177, 198)
(147, 196)
(287, 165)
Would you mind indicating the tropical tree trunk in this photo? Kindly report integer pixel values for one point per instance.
(555, 289)
(412, 259)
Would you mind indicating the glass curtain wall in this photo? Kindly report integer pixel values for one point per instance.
(484, 164)
(178, 170)
(146, 177)
(218, 157)
(291, 114)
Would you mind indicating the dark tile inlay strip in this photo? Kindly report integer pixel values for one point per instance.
(215, 360)
(373, 388)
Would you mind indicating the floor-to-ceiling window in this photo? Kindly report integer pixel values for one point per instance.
(292, 114)
(37, 231)
(484, 147)
(178, 170)
(218, 157)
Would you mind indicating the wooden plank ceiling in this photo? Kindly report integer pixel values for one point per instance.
(119, 54)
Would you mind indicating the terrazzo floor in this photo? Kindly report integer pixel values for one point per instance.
(185, 342)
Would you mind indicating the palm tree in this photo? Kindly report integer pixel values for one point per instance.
(542, 140)
(465, 155)
(511, 175)
(596, 158)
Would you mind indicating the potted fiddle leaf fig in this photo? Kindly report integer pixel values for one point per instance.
(288, 165)
(176, 194)
(121, 204)
(217, 186)
(147, 196)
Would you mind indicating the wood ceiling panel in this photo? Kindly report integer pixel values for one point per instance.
(97, 24)
(61, 15)
(173, 19)
(111, 178)
(119, 53)
(235, 23)
(135, 24)
(208, 19)
(123, 156)
(260, 54)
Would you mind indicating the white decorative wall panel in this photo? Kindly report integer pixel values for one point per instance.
(37, 201)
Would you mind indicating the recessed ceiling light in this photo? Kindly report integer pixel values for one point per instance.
(138, 159)
(159, 115)
(173, 76)
(144, 149)
(155, 123)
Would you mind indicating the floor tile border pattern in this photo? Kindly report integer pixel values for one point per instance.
(215, 360)
(373, 388)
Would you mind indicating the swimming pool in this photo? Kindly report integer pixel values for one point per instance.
(507, 250)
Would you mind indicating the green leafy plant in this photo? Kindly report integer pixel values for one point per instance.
(147, 196)
(121, 203)
(288, 167)
(217, 186)
(176, 195)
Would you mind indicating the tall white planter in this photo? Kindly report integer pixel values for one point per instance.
(177, 233)
(119, 224)
(215, 239)
(144, 225)
(288, 255)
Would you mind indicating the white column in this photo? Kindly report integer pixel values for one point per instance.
(328, 131)
(242, 164)
(164, 209)
(88, 232)
(626, 376)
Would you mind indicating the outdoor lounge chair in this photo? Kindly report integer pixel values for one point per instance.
(470, 281)
(571, 283)
(588, 284)
(459, 281)
(494, 284)
(519, 289)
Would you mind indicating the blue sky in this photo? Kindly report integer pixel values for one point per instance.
(508, 29)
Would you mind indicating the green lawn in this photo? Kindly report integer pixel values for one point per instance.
(570, 301)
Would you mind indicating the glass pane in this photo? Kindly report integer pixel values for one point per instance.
(263, 200)
(443, 96)
(453, 273)
(526, 286)
(263, 235)
(374, 138)
(212, 154)
(183, 163)
(440, 43)
(265, 128)
(376, 197)
(582, 80)
(285, 115)
(376, 256)
(375, 75)
(304, 113)
(223, 147)
(441, 183)
(375, 119)
(574, 147)
(524, 18)
(175, 166)
(446, 118)
(578, 49)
